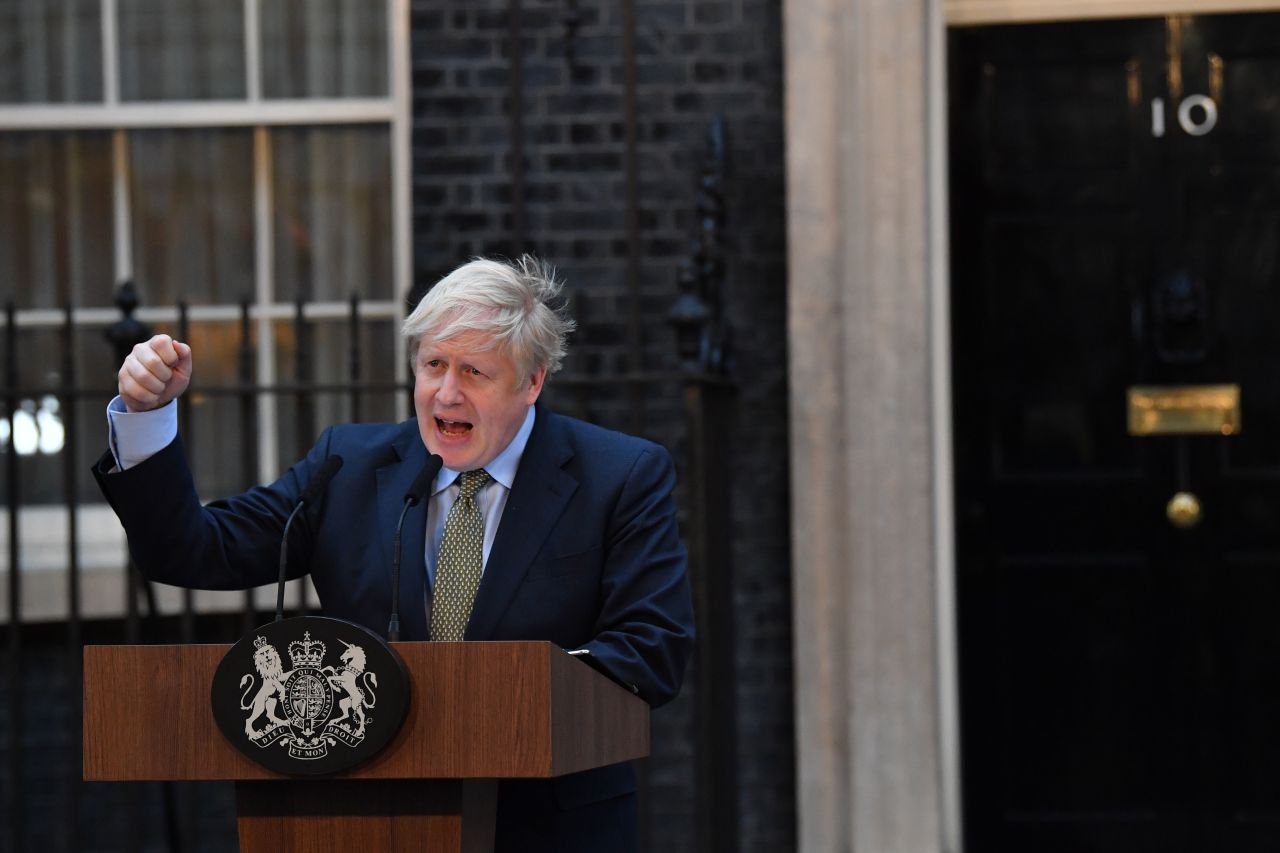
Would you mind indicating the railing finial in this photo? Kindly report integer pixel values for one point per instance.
(702, 335)
(128, 330)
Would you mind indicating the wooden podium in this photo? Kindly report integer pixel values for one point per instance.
(478, 712)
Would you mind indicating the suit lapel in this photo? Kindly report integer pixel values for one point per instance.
(393, 481)
(539, 495)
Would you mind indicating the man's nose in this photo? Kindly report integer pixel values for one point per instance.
(448, 392)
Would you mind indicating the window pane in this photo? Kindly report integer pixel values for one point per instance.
(50, 51)
(324, 48)
(55, 219)
(327, 360)
(42, 422)
(181, 50)
(332, 190)
(214, 435)
(192, 204)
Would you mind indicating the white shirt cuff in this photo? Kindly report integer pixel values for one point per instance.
(137, 436)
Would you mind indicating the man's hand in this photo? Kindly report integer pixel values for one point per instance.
(154, 373)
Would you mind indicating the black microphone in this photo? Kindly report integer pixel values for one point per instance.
(411, 497)
(311, 494)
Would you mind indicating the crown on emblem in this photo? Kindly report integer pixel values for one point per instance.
(306, 652)
(259, 642)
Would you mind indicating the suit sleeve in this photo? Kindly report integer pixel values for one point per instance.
(644, 634)
(231, 543)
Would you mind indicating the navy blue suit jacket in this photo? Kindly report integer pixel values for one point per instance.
(587, 555)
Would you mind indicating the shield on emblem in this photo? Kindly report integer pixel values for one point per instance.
(309, 697)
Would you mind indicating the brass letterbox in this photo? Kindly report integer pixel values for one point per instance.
(1184, 410)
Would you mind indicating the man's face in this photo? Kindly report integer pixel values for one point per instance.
(470, 399)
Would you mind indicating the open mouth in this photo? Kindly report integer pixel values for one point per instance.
(453, 428)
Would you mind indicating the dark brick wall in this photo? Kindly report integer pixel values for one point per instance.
(693, 60)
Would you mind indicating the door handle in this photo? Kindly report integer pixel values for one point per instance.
(1183, 510)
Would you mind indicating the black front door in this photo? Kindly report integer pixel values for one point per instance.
(1115, 209)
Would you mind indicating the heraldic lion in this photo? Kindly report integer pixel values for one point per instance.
(348, 681)
(271, 670)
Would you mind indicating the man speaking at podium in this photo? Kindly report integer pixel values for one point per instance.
(537, 527)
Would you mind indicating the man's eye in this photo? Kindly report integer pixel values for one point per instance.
(476, 372)
(435, 362)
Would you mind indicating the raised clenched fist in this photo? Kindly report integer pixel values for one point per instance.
(154, 373)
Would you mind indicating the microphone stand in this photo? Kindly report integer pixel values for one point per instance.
(419, 487)
(393, 627)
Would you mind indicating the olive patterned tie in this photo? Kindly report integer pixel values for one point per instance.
(460, 562)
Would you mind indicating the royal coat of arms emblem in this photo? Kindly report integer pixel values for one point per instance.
(295, 715)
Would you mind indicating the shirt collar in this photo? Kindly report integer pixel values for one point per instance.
(502, 467)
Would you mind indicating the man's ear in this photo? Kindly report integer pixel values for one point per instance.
(536, 381)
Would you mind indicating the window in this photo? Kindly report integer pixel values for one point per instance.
(215, 153)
